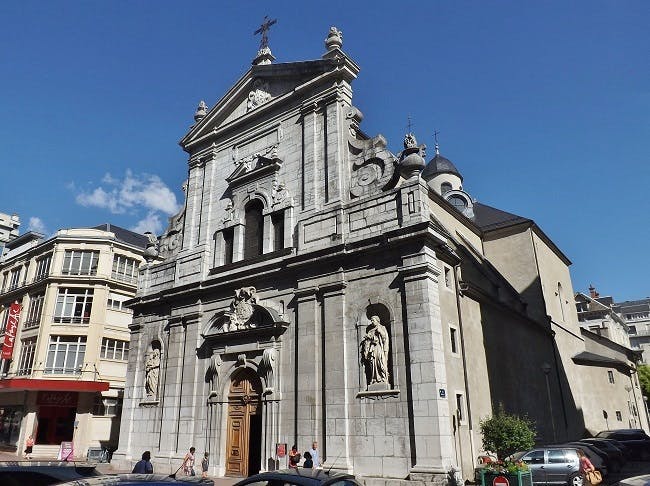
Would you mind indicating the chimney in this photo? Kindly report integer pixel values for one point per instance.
(592, 292)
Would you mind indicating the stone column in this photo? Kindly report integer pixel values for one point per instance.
(238, 243)
(429, 419)
(267, 236)
(334, 149)
(308, 364)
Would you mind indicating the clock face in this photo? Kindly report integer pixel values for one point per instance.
(458, 202)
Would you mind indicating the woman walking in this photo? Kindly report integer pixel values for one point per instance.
(585, 467)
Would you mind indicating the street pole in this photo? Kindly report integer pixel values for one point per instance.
(546, 368)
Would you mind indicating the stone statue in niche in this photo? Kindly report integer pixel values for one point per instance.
(212, 373)
(374, 350)
(280, 193)
(152, 370)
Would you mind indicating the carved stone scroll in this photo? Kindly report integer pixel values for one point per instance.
(267, 369)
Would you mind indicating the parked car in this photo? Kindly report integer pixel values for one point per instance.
(616, 458)
(553, 465)
(139, 480)
(636, 439)
(597, 457)
(44, 473)
(301, 477)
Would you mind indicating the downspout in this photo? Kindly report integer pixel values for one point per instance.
(465, 379)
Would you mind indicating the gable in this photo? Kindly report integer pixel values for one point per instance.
(262, 87)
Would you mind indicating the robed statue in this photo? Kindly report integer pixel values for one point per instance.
(374, 349)
(152, 368)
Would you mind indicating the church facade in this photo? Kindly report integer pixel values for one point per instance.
(317, 287)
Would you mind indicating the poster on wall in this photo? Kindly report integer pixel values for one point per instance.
(10, 331)
(66, 451)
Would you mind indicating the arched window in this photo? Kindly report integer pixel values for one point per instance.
(445, 187)
(253, 229)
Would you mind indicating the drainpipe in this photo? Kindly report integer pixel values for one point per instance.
(465, 379)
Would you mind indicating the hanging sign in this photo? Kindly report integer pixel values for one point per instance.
(10, 331)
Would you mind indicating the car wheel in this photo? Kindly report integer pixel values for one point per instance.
(576, 480)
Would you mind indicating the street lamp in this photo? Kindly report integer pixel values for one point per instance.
(546, 368)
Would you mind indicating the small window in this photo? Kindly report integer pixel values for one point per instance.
(448, 277)
(453, 338)
(460, 407)
(278, 230)
(535, 457)
(445, 187)
(632, 329)
(228, 237)
(610, 376)
(253, 229)
(619, 417)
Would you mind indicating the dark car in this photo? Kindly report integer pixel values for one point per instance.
(34, 473)
(616, 458)
(635, 439)
(300, 477)
(139, 480)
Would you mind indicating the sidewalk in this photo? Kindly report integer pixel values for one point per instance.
(103, 467)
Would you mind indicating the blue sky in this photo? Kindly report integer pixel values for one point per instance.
(543, 106)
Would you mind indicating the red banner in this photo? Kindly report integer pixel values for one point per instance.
(10, 331)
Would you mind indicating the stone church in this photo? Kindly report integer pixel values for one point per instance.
(318, 287)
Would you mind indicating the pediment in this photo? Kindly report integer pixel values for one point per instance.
(258, 88)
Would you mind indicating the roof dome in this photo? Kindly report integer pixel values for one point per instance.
(439, 165)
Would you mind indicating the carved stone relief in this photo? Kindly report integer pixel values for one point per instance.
(152, 371)
(373, 169)
(258, 95)
(212, 373)
(267, 369)
(170, 241)
(280, 194)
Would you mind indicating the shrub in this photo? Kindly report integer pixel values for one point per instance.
(505, 434)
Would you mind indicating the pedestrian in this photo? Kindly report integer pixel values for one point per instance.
(204, 464)
(308, 462)
(29, 446)
(188, 463)
(294, 457)
(144, 465)
(585, 467)
(314, 454)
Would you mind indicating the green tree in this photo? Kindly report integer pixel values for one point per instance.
(506, 434)
(644, 379)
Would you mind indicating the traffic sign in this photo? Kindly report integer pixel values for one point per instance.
(500, 481)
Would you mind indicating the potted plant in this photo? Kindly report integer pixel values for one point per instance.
(505, 434)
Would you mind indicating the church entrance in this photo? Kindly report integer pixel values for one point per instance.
(244, 439)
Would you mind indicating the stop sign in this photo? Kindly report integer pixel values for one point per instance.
(500, 481)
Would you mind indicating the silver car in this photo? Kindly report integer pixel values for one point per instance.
(553, 465)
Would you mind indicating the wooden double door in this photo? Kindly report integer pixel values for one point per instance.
(243, 446)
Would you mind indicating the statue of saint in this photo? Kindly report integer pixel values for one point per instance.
(374, 352)
(152, 367)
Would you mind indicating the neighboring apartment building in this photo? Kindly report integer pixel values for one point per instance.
(66, 343)
(636, 314)
(9, 225)
(601, 316)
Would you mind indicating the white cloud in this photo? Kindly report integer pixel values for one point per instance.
(36, 224)
(149, 223)
(133, 193)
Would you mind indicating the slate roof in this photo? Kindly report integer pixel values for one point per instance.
(124, 235)
(488, 218)
(439, 165)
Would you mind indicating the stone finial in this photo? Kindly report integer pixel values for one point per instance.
(334, 39)
(410, 141)
(201, 111)
(264, 56)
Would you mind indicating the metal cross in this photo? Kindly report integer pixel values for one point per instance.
(264, 30)
(409, 125)
(435, 135)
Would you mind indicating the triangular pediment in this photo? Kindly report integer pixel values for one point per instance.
(258, 89)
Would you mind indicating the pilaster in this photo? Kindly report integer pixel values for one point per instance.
(429, 418)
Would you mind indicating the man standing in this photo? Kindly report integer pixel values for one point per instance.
(314, 454)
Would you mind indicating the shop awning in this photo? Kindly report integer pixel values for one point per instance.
(39, 384)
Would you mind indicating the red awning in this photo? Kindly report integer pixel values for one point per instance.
(20, 384)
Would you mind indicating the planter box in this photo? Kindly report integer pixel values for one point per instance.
(521, 478)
